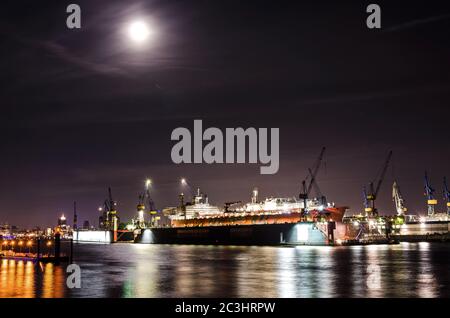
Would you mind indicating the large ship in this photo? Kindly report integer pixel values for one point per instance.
(271, 221)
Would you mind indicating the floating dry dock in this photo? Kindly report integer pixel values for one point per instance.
(273, 221)
(276, 233)
(305, 233)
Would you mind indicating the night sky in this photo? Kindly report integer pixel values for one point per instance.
(84, 109)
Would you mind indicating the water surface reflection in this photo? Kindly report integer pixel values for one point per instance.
(122, 270)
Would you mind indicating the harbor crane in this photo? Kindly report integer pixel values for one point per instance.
(109, 219)
(371, 196)
(141, 211)
(429, 193)
(145, 203)
(311, 177)
(447, 196)
(320, 196)
(366, 202)
(398, 199)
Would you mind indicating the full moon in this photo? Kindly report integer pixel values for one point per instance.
(138, 31)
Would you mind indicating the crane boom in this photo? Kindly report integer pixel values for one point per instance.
(398, 199)
(146, 204)
(447, 196)
(383, 173)
(429, 193)
(369, 202)
(312, 173)
(366, 202)
(109, 218)
(320, 196)
(110, 204)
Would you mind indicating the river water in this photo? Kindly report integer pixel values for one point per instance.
(138, 270)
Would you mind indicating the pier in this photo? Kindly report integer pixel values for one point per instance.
(45, 250)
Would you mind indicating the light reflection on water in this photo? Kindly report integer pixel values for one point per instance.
(305, 272)
(123, 270)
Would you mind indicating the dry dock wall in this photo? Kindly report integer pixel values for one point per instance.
(264, 234)
(425, 228)
(430, 231)
(104, 237)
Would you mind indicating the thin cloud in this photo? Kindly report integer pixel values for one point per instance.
(62, 53)
(416, 23)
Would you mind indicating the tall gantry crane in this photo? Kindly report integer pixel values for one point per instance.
(311, 177)
(398, 199)
(149, 203)
(371, 196)
(447, 196)
(145, 203)
(109, 219)
(366, 202)
(319, 195)
(141, 211)
(429, 193)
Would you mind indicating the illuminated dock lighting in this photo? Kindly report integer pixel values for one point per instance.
(29, 243)
(20, 243)
(49, 243)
